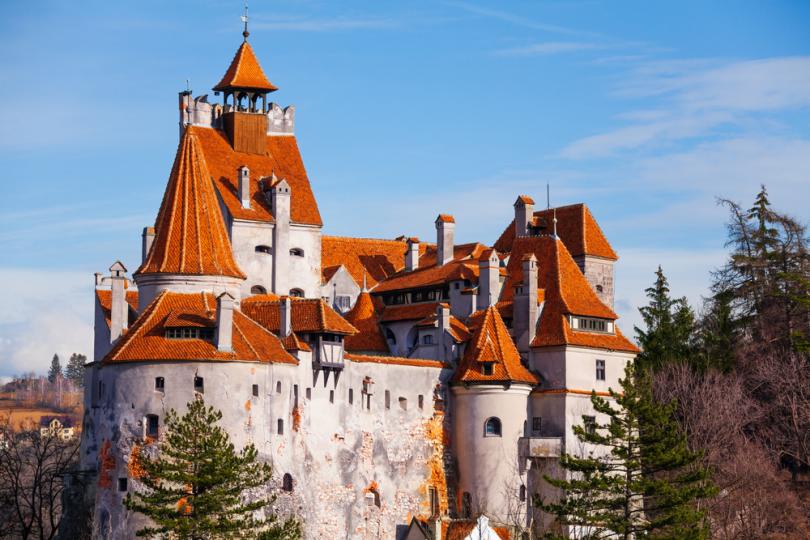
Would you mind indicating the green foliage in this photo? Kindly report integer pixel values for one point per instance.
(717, 335)
(74, 370)
(196, 487)
(56, 369)
(669, 326)
(638, 478)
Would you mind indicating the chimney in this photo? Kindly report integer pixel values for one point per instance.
(280, 201)
(530, 287)
(412, 255)
(119, 310)
(489, 283)
(147, 237)
(244, 186)
(524, 212)
(285, 317)
(98, 278)
(224, 334)
(445, 341)
(445, 227)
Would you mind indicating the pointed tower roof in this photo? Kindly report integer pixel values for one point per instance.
(190, 234)
(363, 316)
(491, 343)
(245, 73)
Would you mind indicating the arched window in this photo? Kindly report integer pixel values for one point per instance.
(296, 252)
(389, 335)
(258, 289)
(278, 387)
(264, 249)
(492, 427)
(296, 293)
(287, 482)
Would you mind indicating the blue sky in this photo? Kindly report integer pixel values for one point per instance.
(646, 111)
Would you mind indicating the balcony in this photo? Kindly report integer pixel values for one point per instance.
(540, 447)
(328, 354)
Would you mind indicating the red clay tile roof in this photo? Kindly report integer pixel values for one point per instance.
(492, 343)
(292, 343)
(282, 158)
(395, 360)
(104, 297)
(364, 317)
(146, 341)
(458, 330)
(377, 259)
(576, 227)
(190, 234)
(525, 199)
(446, 218)
(408, 312)
(471, 251)
(309, 315)
(245, 72)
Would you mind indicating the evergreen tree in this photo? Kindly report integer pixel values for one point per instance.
(56, 369)
(195, 488)
(638, 479)
(74, 371)
(669, 327)
(717, 334)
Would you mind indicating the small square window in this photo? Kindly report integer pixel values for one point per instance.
(427, 339)
(589, 423)
(255, 390)
(487, 368)
(199, 384)
(160, 384)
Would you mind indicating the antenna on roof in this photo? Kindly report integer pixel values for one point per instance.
(548, 196)
(244, 18)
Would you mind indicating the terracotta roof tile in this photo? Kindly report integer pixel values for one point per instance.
(292, 343)
(492, 343)
(190, 234)
(430, 276)
(408, 312)
(282, 158)
(309, 315)
(377, 259)
(471, 251)
(364, 317)
(458, 330)
(446, 218)
(245, 72)
(146, 341)
(576, 227)
(104, 297)
(395, 360)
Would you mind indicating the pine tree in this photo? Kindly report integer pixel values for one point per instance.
(56, 369)
(669, 327)
(195, 488)
(639, 479)
(74, 371)
(717, 334)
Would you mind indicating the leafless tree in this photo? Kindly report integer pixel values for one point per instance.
(32, 466)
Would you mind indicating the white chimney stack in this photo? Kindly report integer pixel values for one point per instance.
(412, 255)
(244, 186)
(224, 333)
(489, 285)
(119, 310)
(285, 317)
(147, 237)
(524, 212)
(445, 227)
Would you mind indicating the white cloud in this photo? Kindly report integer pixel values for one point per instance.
(518, 20)
(548, 48)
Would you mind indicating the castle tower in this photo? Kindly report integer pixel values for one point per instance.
(490, 397)
(191, 251)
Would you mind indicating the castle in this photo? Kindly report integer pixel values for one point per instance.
(398, 387)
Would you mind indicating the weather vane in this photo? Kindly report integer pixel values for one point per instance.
(245, 33)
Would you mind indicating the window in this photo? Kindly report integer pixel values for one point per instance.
(589, 423)
(373, 498)
(278, 387)
(122, 484)
(192, 332)
(287, 482)
(297, 252)
(264, 249)
(600, 370)
(351, 396)
(296, 293)
(466, 505)
(387, 399)
(487, 368)
(152, 425)
(331, 396)
(280, 427)
(255, 390)
(258, 289)
(427, 339)
(433, 497)
(599, 288)
(343, 302)
(591, 324)
(492, 427)
(389, 335)
(403, 403)
(199, 384)
(160, 384)
(522, 493)
(421, 401)
(308, 393)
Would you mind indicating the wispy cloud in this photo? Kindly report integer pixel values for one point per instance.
(519, 20)
(548, 48)
(302, 24)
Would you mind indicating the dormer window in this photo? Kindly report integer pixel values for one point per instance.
(487, 368)
(592, 324)
(297, 293)
(297, 252)
(192, 332)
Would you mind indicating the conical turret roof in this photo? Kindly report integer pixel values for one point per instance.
(363, 316)
(245, 73)
(190, 234)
